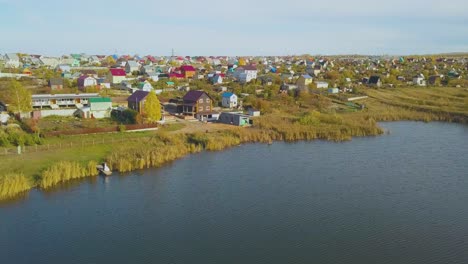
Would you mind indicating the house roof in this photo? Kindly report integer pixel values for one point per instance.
(227, 94)
(137, 96)
(187, 68)
(56, 81)
(100, 100)
(117, 72)
(90, 72)
(249, 68)
(193, 95)
(307, 76)
(374, 79)
(133, 64)
(176, 75)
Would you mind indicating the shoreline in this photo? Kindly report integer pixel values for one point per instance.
(191, 148)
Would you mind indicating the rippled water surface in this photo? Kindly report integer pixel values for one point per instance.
(398, 198)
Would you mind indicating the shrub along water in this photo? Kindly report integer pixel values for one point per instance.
(13, 184)
(65, 171)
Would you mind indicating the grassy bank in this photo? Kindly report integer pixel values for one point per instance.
(284, 119)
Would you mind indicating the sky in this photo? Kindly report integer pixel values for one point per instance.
(234, 28)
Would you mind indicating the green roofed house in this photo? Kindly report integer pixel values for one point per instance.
(100, 107)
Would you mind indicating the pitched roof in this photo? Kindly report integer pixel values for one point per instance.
(117, 72)
(193, 95)
(90, 72)
(187, 68)
(56, 81)
(133, 64)
(374, 79)
(137, 96)
(249, 68)
(227, 94)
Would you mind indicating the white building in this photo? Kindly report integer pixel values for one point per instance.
(86, 81)
(132, 66)
(321, 85)
(419, 80)
(12, 60)
(229, 100)
(245, 74)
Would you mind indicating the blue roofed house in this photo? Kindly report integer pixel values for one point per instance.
(304, 81)
(229, 100)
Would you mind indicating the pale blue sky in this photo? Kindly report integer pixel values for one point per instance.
(239, 27)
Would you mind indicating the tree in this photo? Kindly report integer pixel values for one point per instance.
(152, 108)
(18, 98)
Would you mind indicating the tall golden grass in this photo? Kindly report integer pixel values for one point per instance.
(65, 171)
(13, 184)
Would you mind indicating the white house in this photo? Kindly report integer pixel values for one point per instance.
(154, 76)
(86, 81)
(229, 100)
(322, 85)
(50, 62)
(12, 60)
(63, 68)
(245, 74)
(145, 86)
(132, 66)
(419, 80)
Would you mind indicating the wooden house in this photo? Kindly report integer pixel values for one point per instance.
(198, 104)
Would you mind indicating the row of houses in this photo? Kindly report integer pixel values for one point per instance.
(199, 105)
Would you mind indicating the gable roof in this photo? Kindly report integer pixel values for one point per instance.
(374, 79)
(137, 96)
(187, 68)
(56, 81)
(249, 68)
(307, 76)
(227, 94)
(193, 95)
(88, 72)
(133, 64)
(117, 72)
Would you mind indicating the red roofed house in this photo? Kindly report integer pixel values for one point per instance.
(188, 71)
(116, 75)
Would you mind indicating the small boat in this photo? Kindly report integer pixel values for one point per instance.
(104, 169)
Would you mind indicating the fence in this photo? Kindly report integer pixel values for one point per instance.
(99, 130)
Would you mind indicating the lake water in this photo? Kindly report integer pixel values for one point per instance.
(397, 198)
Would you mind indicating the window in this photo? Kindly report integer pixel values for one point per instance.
(207, 108)
(208, 100)
(200, 101)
